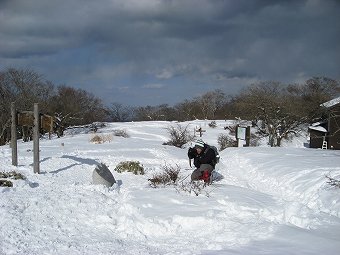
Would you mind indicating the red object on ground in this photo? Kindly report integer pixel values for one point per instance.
(205, 176)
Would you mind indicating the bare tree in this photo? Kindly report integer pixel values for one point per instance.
(120, 113)
(144, 113)
(276, 113)
(314, 92)
(24, 87)
(187, 110)
(159, 112)
(211, 102)
(77, 107)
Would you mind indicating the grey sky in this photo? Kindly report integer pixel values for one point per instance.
(140, 52)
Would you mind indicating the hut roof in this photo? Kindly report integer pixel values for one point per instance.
(331, 103)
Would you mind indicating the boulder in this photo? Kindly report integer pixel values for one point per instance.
(102, 176)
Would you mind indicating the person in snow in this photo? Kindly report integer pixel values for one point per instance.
(204, 157)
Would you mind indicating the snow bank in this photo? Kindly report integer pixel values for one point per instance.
(296, 176)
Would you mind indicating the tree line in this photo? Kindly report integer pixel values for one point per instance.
(276, 109)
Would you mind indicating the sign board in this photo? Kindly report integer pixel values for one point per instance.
(241, 133)
(46, 122)
(26, 118)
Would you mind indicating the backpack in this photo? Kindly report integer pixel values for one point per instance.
(217, 155)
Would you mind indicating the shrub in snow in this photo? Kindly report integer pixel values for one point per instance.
(333, 182)
(232, 129)
(254, 140)
(179, 136)
(170, 176)
(225, 141)
(212, 124)
(11, 175)
(167, 177)
(121, 133)
(98, 139)
(130, 166)
(193, 187)
(6, 183)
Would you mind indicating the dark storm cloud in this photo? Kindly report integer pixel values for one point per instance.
(174, 47)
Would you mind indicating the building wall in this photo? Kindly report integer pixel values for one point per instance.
(316, 139)
(334, 128)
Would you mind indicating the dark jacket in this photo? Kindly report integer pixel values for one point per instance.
(207, 156)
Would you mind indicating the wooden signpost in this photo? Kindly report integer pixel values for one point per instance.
(199, 130)
(27, 119)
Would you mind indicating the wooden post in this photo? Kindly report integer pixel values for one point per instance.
(247, 136)
(14, 135)
(36, 132)
(237, 135)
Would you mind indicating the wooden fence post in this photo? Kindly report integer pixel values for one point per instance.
(36, 130)
(247, 136)
(14, 135)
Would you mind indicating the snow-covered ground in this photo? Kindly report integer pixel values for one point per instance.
(270, 200)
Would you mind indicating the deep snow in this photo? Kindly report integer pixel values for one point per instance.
(270, 200)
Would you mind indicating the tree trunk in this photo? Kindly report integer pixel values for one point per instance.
(271, 140)
(278, 141)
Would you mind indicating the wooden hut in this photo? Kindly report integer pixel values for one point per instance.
(326, 134)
